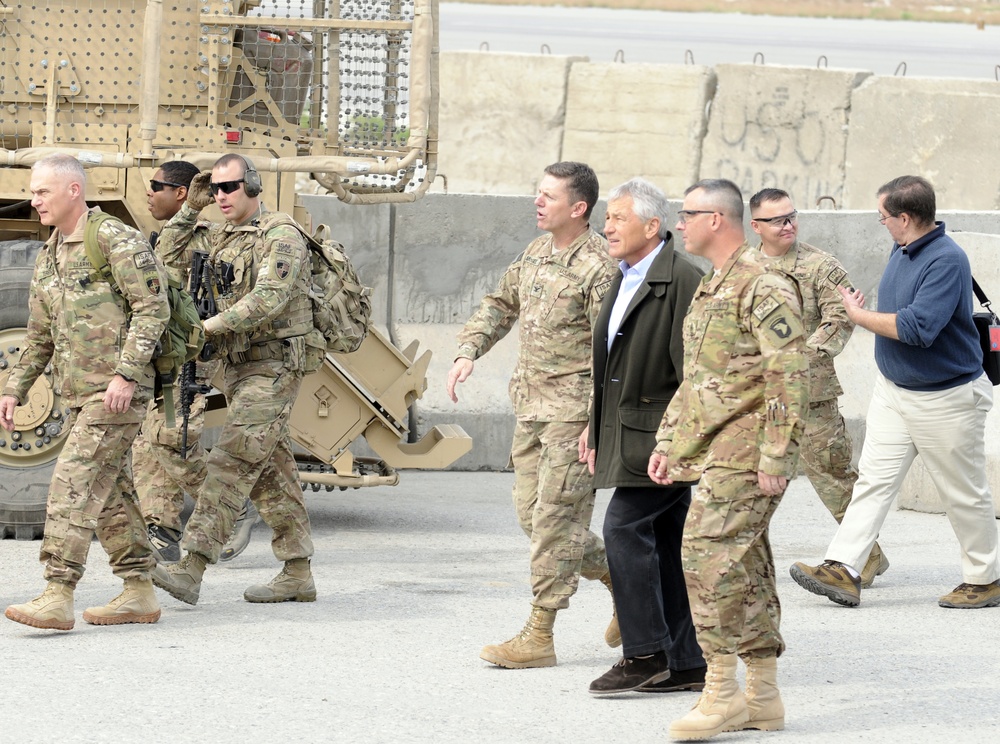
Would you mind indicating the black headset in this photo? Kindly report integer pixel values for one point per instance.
(251, 179)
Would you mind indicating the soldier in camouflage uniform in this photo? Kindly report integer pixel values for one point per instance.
(100, 358)
(162, 475)
(826, 446)
(265, 338)
(736, 421)
(554, 289)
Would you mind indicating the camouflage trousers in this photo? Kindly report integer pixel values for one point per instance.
(554, 501)
(91, 491)
(253, 458)
(729, 567)
(826, 456)
(162, 476)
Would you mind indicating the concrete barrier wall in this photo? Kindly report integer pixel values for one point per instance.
(501, 119)
(945, 130)
(618, 116)
(813, 132)
(431, 262)
(781, 127)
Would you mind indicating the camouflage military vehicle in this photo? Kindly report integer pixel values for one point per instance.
(342, 94)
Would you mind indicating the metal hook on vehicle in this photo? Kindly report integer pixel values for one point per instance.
(900, 66)
(825, 198)
(822, 62)
(545, 49)
(688, 57)
(996, 72)
(620, 56)
(444, 178)
(758, 54)
(484, 47)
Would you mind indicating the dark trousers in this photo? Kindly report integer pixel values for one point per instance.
(643, 527)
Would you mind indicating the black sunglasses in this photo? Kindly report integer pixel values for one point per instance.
(158, 186)
(226, 187)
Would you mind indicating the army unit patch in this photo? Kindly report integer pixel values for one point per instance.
(144, 260)
(780, 327)
(765, 308)
(153, 283)
(283, 247)
(282, 268)
(836, 276)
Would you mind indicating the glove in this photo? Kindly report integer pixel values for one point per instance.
(199, 196)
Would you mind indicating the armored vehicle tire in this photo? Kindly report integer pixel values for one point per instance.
(27, 454)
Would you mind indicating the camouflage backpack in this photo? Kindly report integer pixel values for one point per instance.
(341, 304)
(184, 335)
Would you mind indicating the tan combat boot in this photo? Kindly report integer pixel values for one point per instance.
(183, 579)
(529, 649)
(876, 565)
(136, 604)
(51, 610)
(767, 712)
(721, 706)
(294, 584)
(613, 634)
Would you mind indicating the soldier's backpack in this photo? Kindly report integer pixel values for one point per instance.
(341, 304)
(184, 335)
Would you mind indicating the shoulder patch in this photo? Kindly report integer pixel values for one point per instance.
(282, 268)
(284, 247)
(780, 327)
(153, 283)
(836, 276)
(144, 260)
(765, 308)
(602, 289)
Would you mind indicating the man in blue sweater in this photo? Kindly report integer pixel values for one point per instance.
(930, 398)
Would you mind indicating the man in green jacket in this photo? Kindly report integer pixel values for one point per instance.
(638, 365)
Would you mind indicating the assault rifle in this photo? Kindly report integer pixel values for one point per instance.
(202, 290)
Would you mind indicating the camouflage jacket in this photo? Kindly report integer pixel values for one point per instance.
(827, 326)
(556, 297)
(262, 277)
(180, 237)
(79, 326)
(742, 401)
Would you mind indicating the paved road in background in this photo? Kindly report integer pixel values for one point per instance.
(414, 580)
(928, 49)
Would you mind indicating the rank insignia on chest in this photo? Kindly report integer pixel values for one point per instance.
(282, 269)
(536, 290)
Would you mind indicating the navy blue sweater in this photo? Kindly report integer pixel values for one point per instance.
(928, 284)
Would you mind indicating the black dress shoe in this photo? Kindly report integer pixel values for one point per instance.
(688, 679)
(631, 674)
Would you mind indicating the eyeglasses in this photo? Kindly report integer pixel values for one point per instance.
(226, 187)
(684, 214)
(883, 217)
(786, 219)
(158, 186)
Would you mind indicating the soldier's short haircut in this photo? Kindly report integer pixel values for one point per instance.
(647, 202)
(767, 195)
(178, 171)
(65, 166)
(724, 193)
(911, 194)
(231, 157)
(581, 181)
